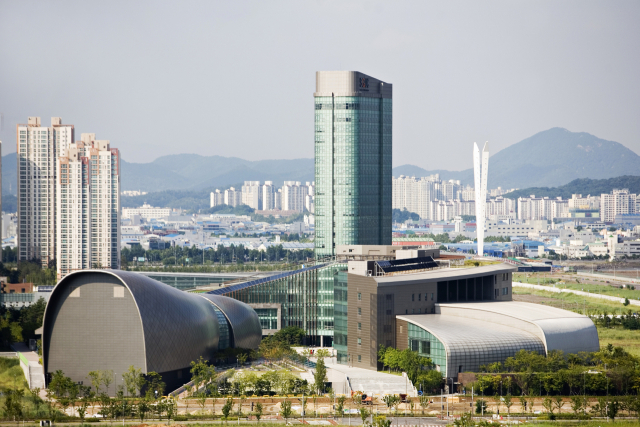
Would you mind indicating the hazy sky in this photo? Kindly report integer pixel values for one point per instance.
(237, 78)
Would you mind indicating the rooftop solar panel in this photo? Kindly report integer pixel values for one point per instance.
(409, 264)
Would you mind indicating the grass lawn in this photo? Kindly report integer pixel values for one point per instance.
(576, 283)
(12, 375)
(570, 301)
(598, 423)
(629, 340)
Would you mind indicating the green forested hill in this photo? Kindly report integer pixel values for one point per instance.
(583, 186)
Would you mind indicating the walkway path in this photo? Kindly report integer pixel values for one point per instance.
(30, 364)
(571, 291)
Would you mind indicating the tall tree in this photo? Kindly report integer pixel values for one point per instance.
(320, 375)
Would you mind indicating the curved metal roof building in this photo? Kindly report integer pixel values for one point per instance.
(463, 336)
(112, 319)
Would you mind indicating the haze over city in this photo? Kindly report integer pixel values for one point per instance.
(269, 211)
(236, 79)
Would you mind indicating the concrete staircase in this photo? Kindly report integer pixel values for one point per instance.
(378, 384)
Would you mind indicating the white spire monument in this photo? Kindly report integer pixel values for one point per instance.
(480, 181)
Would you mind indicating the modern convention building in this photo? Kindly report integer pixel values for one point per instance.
(111, 319)
(372, 295)
(353, 138)
(461, 318)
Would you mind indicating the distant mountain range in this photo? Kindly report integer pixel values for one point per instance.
(550, 158)
(547, 159)
(190, 172)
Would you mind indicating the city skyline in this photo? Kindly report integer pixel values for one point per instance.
(528, 60)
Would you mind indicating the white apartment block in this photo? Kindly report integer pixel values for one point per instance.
(232, 197)
(293, 196)
(441, 210)
(468, 194)
(416, 195)
(146, 211)
(616, 203)
(252, 194)
(88, 210)
(559, 208)
(501, 208)
(268, 196)
(216, 199)
(541, 208)
(38, 148)
(586, 203)
(309, 203)
(435, 200)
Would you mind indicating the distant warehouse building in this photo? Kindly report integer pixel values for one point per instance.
(110, 320)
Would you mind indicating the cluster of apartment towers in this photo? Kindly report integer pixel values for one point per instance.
(437, 200)
(292, 196)
(68, 198)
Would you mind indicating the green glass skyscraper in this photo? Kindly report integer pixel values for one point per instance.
(353, 123)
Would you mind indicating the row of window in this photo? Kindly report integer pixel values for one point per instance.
(426, 295)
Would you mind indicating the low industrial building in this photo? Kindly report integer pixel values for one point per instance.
(112, 319)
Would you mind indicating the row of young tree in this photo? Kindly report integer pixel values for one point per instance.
(628, 320)
(582, 408)
(610, 371)
(233, 254)
(140, 395)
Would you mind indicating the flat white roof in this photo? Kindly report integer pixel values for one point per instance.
(445, 274)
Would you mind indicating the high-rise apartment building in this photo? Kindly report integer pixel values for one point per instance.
(38, 149)
(353, 144)
(216, 198)
(617, 203)
(293, 196)
(232, 197)
(268, 196)
(88, 209)
(252, 194)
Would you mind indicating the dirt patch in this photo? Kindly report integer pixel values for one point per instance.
(538, 300)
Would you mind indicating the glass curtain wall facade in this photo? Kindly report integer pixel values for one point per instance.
(353, 148)
(268, 317)
(340, 309)
(306, 299)
(427, 345)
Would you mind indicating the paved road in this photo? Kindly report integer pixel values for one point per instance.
(571, 291)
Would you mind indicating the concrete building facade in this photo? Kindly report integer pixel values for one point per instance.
(617, 203)
(232, 197)
(88, 209)
(216, 198)
(252, 194)
(38, 148)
